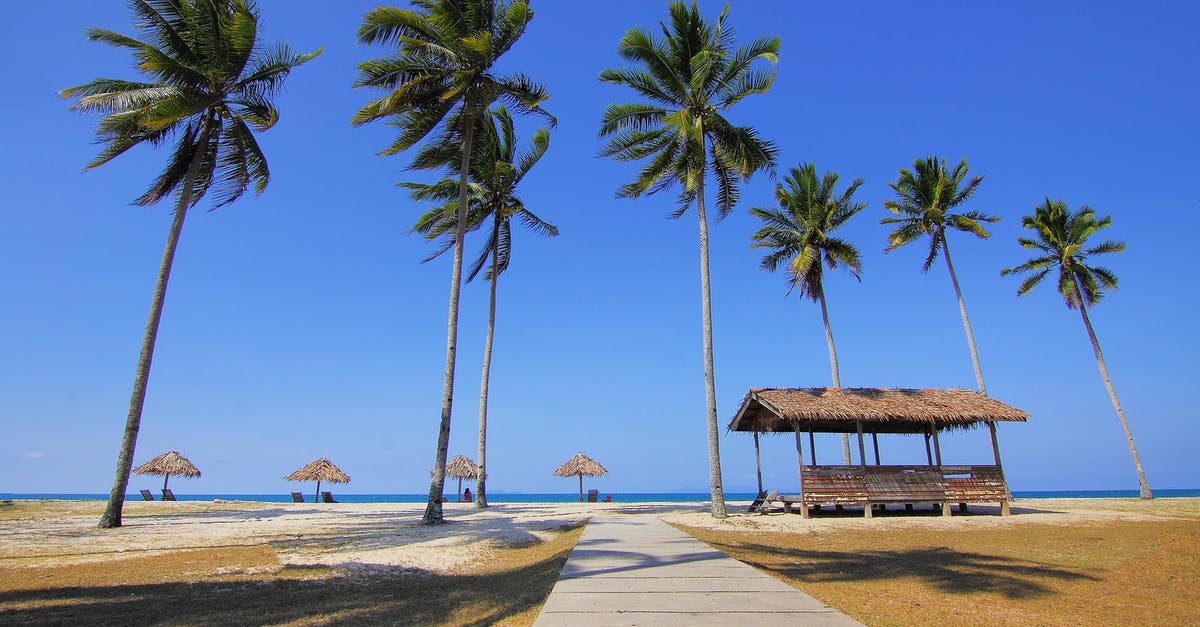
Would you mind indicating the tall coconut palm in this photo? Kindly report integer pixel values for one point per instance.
(1061, 240)
(798, 234)
(209, 86)
(497, 170)
(440, 75)
(687, 79)
(927, 194)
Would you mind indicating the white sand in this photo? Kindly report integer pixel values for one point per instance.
(346, 535)
(389, 536)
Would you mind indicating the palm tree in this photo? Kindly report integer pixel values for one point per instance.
(1061, 238)
(441, 76)
(210, 84)
(926, 196)
(497, 170)
(797, 233)
(687, 79)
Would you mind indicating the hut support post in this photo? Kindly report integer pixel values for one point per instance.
(862, 451)
(812, 448)
(581, 487)
(862, 461)
(166, 478)
(800, 463)
(317, 496)
(928, 452)
(995, 445)
(757, 462)
(875, 443)
(937, 449)
(1004, 510)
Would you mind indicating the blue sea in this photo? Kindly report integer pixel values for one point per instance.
(516, 497)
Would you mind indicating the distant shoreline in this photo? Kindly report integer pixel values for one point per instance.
(517, 497)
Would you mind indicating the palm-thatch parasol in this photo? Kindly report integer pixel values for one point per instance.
(580, 465)
(167, 464)
(319, 470)
(462, 467)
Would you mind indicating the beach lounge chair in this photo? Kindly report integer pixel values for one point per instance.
(326, 497)
(593, 495)
(297, 497)
(771, 497)
(146, 496)
(168, 495)
(758, 501)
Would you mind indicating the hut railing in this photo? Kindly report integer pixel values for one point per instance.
(861, 485)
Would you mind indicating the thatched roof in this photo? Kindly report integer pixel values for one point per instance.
(169, 463)
(833, 410)
(319, 470)
(580, 465)
(462, 467)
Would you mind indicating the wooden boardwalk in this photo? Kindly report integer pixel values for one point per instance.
(637, 570)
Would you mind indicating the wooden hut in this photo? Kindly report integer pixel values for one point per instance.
(874, 411)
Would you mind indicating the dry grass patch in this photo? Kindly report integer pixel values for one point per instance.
(248, 585)
(1122, 572)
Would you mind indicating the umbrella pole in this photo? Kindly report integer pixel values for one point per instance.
(458, 497)
(580, 487)
(317, 496)
(166, 478)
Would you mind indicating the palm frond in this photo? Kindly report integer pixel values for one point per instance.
(1061, 237)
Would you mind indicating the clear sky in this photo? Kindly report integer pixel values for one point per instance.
(300, 324)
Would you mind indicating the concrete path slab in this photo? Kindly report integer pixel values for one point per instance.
(638, 570)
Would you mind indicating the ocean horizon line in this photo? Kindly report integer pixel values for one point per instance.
(545, 497)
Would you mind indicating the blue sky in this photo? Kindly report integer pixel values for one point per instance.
(299, 324)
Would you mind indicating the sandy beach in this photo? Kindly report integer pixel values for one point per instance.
(240, 562)
(353, 536)
(389, 536)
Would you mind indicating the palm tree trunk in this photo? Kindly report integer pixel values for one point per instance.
(480, 490)
(710, 387)
(962, 309)
(433, 509)
(833, 366)
(1112, 396)
(116, 498)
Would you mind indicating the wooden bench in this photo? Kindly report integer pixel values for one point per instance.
(881, 485)
(908, 485)
(976, 484)
(829, 485)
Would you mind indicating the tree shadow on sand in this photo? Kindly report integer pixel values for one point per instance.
(947, 570)
(375, 596)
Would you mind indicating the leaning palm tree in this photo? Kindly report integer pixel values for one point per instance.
(441, 77)
(688, 79)
(1060, 245)
(497, 169)
(797, 233)
(927, 194)
(210, 84)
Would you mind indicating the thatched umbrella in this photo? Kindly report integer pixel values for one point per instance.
(319, 470)
(167, 464)
(580, 465)
(462, 467)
